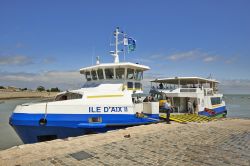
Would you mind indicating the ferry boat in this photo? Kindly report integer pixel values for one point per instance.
(110, 99)
(201, 92)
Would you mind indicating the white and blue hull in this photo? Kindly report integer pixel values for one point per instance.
(61, 126)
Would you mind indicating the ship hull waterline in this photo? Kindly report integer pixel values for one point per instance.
(61, 126)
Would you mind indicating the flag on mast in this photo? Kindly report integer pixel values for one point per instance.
(125, 41)
(131, 44)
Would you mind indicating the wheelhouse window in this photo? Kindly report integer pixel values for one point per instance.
(120, 73)
(138, 85)
(138, 75)
(100, 74)
(130, 73)
(68, 96)
(88, 76)
(109, 73)
(94, 76)
(130, 85)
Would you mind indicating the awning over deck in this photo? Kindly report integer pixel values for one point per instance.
(185, 80)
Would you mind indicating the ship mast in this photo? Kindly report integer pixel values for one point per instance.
(115, 53)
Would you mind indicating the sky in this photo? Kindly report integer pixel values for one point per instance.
(47, 42)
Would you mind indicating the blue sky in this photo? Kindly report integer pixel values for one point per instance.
(39, 38)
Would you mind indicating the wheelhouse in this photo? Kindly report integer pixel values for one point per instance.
(128, 74)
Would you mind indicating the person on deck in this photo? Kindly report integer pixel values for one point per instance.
(195, 106)
(190, 107)
(167, 109)
(161, 86)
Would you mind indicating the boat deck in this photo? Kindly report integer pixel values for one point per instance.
(184, 118)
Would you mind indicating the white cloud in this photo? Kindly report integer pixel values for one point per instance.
(185, 55)
(61, 79)
(210, 59)
(195, 54)
(15, 60)
(49, 60)
(235, 86)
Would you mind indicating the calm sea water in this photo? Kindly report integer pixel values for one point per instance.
(237, 105)
(8, 137)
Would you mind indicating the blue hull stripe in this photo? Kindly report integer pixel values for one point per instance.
(73, 120)
(70, 125)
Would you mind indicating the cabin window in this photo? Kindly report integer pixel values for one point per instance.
(88, 76)
(138, 75)
(120, 73)
(138, 85)
(215, 100)
(100, 74)
(130, 85)
(94, 76)
(109, 73)
(68, 96)
(130, 73)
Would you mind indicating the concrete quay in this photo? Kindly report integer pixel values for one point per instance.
(222, 142)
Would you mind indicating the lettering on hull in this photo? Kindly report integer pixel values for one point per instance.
(107, 109)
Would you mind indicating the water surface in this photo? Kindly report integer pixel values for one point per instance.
(238, 106)
(8, 137)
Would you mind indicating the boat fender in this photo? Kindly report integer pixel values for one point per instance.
(42, 122)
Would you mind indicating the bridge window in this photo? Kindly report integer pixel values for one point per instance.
(100, 74)
(88, 76)
(138, 75)
(120, 73)
(130, 73)
(130, 85)
(94, 76)
(68, 96)
(109, 73)
(138, 85)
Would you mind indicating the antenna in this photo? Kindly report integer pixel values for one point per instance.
(210, 76)
(97, 60)
(93, 54)
(115, 53)
(124, 51)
